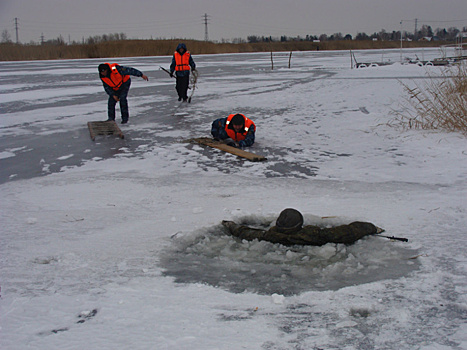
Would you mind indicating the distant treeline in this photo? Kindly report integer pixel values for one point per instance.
(424, 33)
(101, 47)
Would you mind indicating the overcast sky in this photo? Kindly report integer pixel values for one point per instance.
(228, 19)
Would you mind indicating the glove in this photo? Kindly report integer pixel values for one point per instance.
(171, 75)
(232, 143)
(241, 144)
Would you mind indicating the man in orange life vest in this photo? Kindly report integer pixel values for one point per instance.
(181, 64)
(236, 130)
(116, 81)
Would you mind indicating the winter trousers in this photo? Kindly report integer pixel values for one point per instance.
(182, 86)
(122, 94)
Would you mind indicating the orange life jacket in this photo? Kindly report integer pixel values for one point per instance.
(239, 136)
(115, 80)
(182, 62)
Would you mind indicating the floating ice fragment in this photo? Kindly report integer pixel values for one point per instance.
(291, 255)
(31, 221)
(277, 298)
(65, 157)
(346, 324)
(4, 155)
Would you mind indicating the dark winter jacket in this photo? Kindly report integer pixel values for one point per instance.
(307, 235)
(123, 70)
(183, 73)
(218, 132)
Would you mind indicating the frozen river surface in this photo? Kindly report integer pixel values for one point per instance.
(117, 244)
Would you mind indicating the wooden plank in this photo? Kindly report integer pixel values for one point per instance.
(91, 131)
(104, 128)
(223, 147)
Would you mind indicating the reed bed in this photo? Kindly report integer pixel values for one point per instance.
(437, 104)
(137, 48)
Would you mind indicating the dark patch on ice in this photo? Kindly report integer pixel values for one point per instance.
(45, 260)
(83, 317)
(292, 169)
(360, 312)
(364, 110)
(237, 315)
(86, 315)
(54, 331)
(46, 155)
(213, 257)
(59, 330)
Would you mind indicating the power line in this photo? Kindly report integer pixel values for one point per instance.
(175, 25)
(33, 27)
(435, 21)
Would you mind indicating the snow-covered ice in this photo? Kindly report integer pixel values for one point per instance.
(117, 244)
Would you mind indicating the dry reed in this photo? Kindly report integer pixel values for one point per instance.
(438, 104)
(137, 48)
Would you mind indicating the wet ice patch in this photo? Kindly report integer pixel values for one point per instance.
(213, 257)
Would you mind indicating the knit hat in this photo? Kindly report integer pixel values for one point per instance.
(102, 67)
(289, 221)
(238, 119)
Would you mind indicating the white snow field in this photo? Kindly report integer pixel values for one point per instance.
(117, 244)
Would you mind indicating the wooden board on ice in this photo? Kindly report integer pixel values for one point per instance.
(223, 147)
(104, 128)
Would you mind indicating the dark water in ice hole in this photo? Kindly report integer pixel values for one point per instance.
(213, 257)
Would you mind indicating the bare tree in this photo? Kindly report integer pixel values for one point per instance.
(452, 33)
(323, 37)
(6, 37)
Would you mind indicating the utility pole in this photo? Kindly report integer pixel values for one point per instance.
(401, 44)
(16, 27)
(415, 32)
(206, 37)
